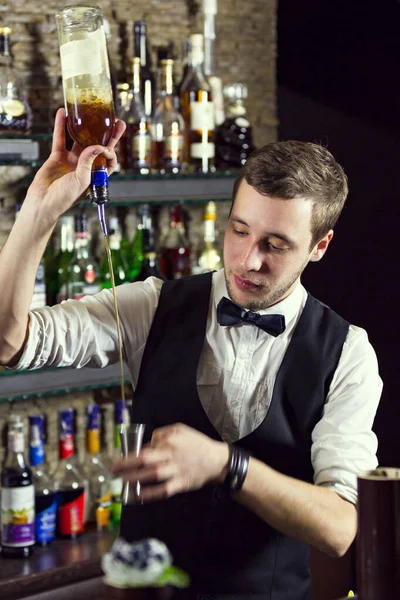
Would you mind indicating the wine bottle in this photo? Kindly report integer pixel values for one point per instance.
(141, 49)
(64, 256)
(210, 259)
(118, 259)
(17, 496)
(136, 248)
(135, 145)
(175, 248)
(98, 476)
(234, 138)
(211, 61)
(15, 111)
(70, 482)
(198, 112)
(45, 489)
(82, 269)
(167, 125)
(150, 266)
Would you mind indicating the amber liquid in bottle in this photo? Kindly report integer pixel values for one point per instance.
(91, 122)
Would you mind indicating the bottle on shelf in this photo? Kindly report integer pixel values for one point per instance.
(141, 51)
(135, 145)
(150, 266)
(210, 59)
(116, 481)
(198, 112)
(118, 259)
(98, 476)
(70, 481)
(175, 248)
(113, 70)
(135, 259)
(209, 259)
(167, 125)
(186, 65)
(82, 269)
(15, 111)
(234, 138)
(63, 258)
(45, 489)
(17, 496)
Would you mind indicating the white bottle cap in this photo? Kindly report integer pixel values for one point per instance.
(210, 7)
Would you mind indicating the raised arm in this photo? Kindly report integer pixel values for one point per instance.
(59, 183)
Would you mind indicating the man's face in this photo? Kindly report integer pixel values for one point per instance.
(267, 247)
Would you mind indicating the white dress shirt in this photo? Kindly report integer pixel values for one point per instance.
(236, 372)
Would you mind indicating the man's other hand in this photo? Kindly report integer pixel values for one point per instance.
(178, 459)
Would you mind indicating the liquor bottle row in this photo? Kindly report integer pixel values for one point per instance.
(37, 504)
(181, 131)
(171, 126)
(72, 271)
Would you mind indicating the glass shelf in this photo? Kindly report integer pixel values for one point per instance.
(42, 383)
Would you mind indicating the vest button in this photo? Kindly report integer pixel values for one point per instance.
(219, 493)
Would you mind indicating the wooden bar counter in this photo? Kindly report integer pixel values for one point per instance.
(65, 569)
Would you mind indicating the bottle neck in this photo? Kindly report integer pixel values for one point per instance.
(209, 231)
(93, 441)
(236, 109)
(210, 50)
(166, 80)
(5, 46)
(141, 44)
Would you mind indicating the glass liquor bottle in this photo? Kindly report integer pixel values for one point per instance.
(64, 256)
(136, 250)
(45, 490)
(15, 112)
(167, 125)
(118, 259)
(175, 248)
(82, 269)
(70, 481)
(209, 259)
(197, 110)
(135, 145)
(98, 476)
(234, 138)
(147, 84)
(150, 266)
(17, 496)
(210, 59)
(87, 88)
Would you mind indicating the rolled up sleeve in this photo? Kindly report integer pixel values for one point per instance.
(83, 333)
(343, 443)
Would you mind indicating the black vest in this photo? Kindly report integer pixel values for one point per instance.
(229, 552)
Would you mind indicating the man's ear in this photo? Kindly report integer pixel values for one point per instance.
(321, 247)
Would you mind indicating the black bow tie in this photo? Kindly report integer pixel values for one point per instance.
(229, 313)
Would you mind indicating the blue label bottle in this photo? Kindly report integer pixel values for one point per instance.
(45, 492)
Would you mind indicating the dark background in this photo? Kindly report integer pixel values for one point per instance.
(338, 84)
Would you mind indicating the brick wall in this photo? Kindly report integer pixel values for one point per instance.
(246, 34)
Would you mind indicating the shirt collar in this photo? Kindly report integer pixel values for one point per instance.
(289, 307)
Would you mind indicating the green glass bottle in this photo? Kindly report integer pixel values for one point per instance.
(136, 251)
(64, 257)
(120, 266)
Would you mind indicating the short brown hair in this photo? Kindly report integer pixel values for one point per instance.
(299, 169)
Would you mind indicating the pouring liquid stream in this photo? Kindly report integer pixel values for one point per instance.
(123, 431)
